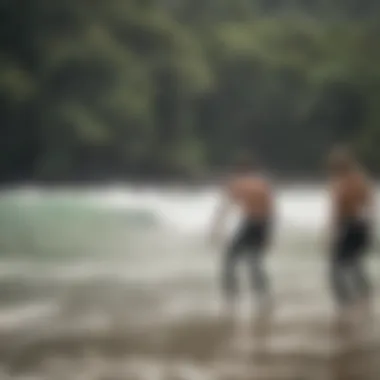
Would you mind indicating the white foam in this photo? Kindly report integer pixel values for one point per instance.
(189, 211)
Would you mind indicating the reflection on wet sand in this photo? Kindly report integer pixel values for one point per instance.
(173, 330)
(203, 348)
(359, 356)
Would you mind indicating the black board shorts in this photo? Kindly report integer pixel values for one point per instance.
(252, 235)
(353, 238)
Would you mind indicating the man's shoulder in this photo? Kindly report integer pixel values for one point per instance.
(260, 181)
(358, 179)
(257, 179)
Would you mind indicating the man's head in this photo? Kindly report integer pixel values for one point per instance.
(243, 163)
(341, 161)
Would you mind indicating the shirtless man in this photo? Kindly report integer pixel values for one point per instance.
(252, 194)
(351, 224)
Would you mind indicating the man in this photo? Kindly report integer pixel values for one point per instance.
(352, 206)
(252, 194)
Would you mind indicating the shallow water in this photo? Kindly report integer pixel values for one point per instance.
(119, 284)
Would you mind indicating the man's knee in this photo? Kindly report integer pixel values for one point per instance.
(361, 279)
(339, 270)
(340, 273)
(259, 278)
(229, 284)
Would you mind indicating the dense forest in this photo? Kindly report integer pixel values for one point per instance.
(106, 89)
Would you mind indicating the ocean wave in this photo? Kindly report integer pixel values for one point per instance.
(55, 223)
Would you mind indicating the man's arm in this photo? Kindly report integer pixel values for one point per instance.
(336, 199)
(220, 216)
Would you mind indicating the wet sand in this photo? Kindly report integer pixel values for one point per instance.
(196, 346)
(100, 322)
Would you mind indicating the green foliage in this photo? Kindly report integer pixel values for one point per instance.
(155, 87)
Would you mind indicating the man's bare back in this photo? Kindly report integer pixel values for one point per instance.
(351, 194)
(252, 195)
(352, 206)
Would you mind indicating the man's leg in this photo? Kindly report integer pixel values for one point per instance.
(339, 281)
(260, 239)
(259, 277)
(260, 283)
(360, 242)
(361, 280)
(229, 280)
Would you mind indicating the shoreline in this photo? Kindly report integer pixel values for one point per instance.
(148, 184)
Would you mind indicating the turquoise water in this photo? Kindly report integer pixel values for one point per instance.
(52, 226)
